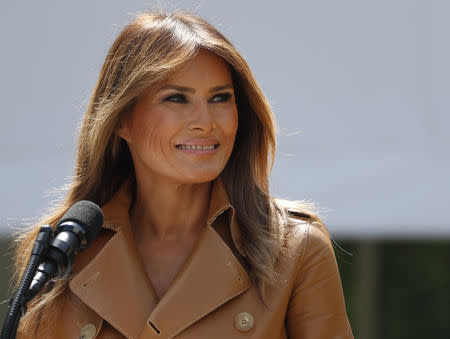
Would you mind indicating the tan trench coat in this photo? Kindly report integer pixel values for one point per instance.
(111, 296)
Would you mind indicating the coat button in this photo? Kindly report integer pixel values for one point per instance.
(88, 332)
(243, 321)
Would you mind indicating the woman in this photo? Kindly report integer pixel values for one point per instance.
(176, 146)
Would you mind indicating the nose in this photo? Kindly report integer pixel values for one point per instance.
(202, 120)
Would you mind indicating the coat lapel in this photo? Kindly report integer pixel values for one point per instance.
(210, 277)
(115, 284)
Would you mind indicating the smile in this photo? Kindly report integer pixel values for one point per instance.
(197, 147)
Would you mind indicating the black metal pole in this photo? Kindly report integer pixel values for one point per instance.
(17, 304)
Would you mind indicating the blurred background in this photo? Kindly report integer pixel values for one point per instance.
(361, 94)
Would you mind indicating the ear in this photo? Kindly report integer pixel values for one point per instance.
(123, 128)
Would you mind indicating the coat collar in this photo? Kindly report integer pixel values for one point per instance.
(116, 210)
(115, 285)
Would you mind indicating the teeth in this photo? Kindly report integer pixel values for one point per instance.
(200, 147)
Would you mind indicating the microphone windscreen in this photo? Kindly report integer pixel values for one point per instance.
(86, 214)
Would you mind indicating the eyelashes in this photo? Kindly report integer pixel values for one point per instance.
(176, 98)
(181, 98)
(221, 97)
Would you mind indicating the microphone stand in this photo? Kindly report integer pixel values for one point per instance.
(18, 302)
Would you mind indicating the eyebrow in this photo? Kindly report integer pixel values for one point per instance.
(191, 90)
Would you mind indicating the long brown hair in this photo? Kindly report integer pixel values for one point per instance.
(145, 53)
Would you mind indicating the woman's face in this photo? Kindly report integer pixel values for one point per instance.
(184, 130)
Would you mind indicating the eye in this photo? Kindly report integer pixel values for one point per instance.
(221, 97)
(177, 98)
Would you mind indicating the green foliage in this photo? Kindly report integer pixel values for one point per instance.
(412, 298)
(5, 278)
(415, 290)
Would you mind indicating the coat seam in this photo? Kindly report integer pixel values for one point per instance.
(305, 244)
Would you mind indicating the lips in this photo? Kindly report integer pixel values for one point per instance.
(198, 144)
(197, 147)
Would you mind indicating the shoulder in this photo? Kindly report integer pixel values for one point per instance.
(306, 236)
(316, 307)
(301, 217)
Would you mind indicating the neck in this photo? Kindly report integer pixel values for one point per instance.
(169, 211)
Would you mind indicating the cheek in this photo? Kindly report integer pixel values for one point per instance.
(149, 127)
(231, 123)
(142, 135)
(227, 120)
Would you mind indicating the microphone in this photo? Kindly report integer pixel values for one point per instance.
(74, 232)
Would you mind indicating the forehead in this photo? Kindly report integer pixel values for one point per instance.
(206, 67)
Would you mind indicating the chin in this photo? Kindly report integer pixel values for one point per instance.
(200, 178)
